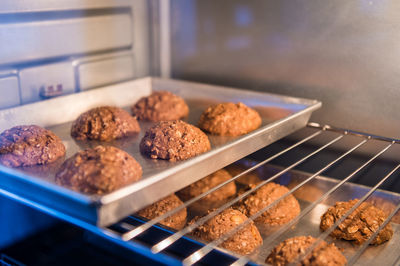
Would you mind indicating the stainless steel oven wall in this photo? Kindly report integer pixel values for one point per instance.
(344, 53)
(50, 48)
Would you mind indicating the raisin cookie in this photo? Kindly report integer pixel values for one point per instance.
(243, 242)
(176, 221)
(104, 123)
(213, 199)
(29, 145)
(99, 170)
(174, 141)
(160, 106)
(291, 249)
(284, 211)
(359, 225)
(229, 119)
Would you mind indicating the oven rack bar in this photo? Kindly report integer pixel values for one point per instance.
(205, 250)
(197, 255)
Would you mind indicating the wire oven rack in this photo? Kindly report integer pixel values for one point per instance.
(169, 247)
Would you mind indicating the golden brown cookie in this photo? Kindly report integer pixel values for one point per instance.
(385, 205)
(104, 123)
(246, 179)
(177, 221)
(29, 145)
(291, 249)
(229, 119)
(245, 241)
(174, 141)
(99, 170)
(160, 106)
(215, 198)
(358, 226)
(287, 209)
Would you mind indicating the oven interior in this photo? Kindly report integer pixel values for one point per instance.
(334, 53)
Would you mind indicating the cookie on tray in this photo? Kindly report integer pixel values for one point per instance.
(291, 249)
(104, 123)
(174, 140)
(176, 221)
(207, 183)
(243, 242)
(29, 145)
(160, 106)
(283, 212)
(99, 170)
(246, 179)
(359, 225)
(229, 119)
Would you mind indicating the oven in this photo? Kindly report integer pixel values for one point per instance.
(63, 56)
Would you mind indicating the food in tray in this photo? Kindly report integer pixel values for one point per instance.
(246, 179)
(244, 241)
(229, 119)
(358, 226)
(104, 123)
(283, 212)
(385, 205)
(99, 170)
(308, 192)
(160, 106)
(177, 221)
(213, 199)
(29, 145)
(291, 249)
(174, 141)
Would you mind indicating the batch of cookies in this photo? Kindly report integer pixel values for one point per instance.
(105, 168)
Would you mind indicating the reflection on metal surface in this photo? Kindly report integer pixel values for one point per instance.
(344, 53)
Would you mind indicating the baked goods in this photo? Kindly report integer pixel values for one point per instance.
(207, 183)
(291, 249)
(308, 192)
(104, 123)
(29, 145)
(246, 179)
(245, 241)
(229, 119)
(286, 209)
(359, 225)
(385, 205)
(160, 106)
(174, 141)
(176, 221)
(99, 170)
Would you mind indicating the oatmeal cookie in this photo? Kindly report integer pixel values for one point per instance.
(177, 221)
(385, 205)
(287, 209)
(104, 123)
(99, 170)
(291, 249)
(160, 106)
(229, 119)
(245, 241)
(358, 226)
(207, 183)
(174, 141)
(29, 145)
(246, 179)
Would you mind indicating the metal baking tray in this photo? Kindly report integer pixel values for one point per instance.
(384, 254)
(281, 116)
